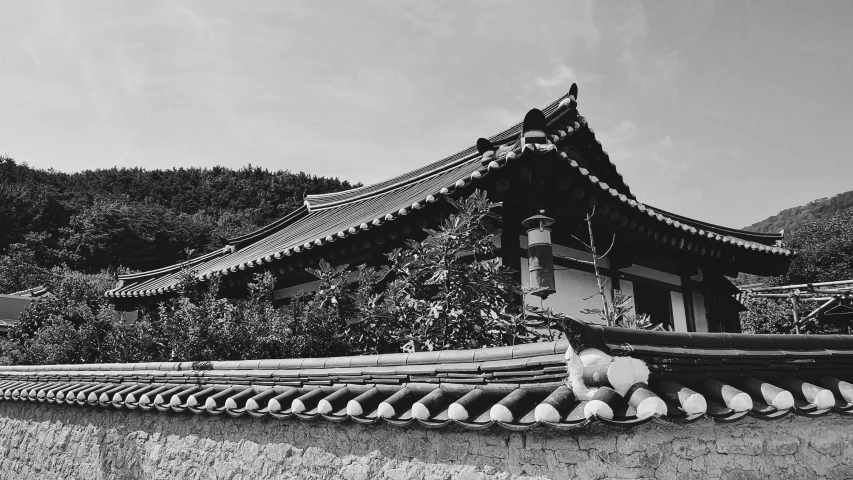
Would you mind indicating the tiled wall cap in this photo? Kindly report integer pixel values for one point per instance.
(731, 397)
(365, 403)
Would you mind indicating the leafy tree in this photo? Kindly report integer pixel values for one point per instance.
(140, 219)
(824, 248)
(792, 218)
(193, 323)
(768, 315)
(19, 270)
(446, 292)
(825, 253)
(73, 324)
(200, 326)
(316, 320)
(135, 235)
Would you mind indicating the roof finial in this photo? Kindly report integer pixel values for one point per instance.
(533, 128)
(486, 149)
(571, 100)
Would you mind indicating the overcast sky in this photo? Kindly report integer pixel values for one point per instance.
(727, 111)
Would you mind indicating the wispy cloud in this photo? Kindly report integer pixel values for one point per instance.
(648, 67)
(377, 89)
(640, 153)
(562, 75)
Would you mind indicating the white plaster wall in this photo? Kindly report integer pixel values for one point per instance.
(572, 287)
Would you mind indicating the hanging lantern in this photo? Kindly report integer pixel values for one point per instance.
(540, 255)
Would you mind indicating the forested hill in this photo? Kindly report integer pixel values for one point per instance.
(135, 218)
(792, 218)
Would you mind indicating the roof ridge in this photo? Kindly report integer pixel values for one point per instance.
(484, 354)
(503, 137)
(270, 227)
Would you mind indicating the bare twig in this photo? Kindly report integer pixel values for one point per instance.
(612, 242)
(582, 242)
(595, 259)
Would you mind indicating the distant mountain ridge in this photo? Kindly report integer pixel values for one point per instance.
(792, 218)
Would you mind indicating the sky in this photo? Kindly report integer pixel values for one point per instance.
(723, 111)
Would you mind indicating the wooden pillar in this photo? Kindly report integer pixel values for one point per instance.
(688, 303)
(511, 229)
(795, 304)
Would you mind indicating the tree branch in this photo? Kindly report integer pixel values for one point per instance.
(612, 243)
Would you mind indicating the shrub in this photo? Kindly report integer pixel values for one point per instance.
(445, 292)
(75, 324)
(825, 253)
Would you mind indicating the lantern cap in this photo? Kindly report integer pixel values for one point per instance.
(537, 221)
(543, 292)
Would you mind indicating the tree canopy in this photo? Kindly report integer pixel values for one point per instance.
(135, 218)
(825, 253)
(792, 218)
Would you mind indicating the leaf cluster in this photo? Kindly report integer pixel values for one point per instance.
(619, 314)
(75, 324)
(445, 292)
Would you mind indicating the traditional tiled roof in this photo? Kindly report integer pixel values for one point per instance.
(608, 375)
(39, 291)
(331, 217)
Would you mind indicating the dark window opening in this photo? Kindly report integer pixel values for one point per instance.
(654, 300)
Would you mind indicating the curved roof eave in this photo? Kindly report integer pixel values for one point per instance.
(758, 237)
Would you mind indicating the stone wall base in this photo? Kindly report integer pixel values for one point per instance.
(70, 442)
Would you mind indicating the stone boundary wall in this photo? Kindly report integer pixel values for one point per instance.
(70, 442)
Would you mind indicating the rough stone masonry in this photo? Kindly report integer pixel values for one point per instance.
(53, 441)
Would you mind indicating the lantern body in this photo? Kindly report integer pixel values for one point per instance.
(540, 261)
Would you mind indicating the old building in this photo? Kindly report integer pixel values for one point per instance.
(675, 267)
